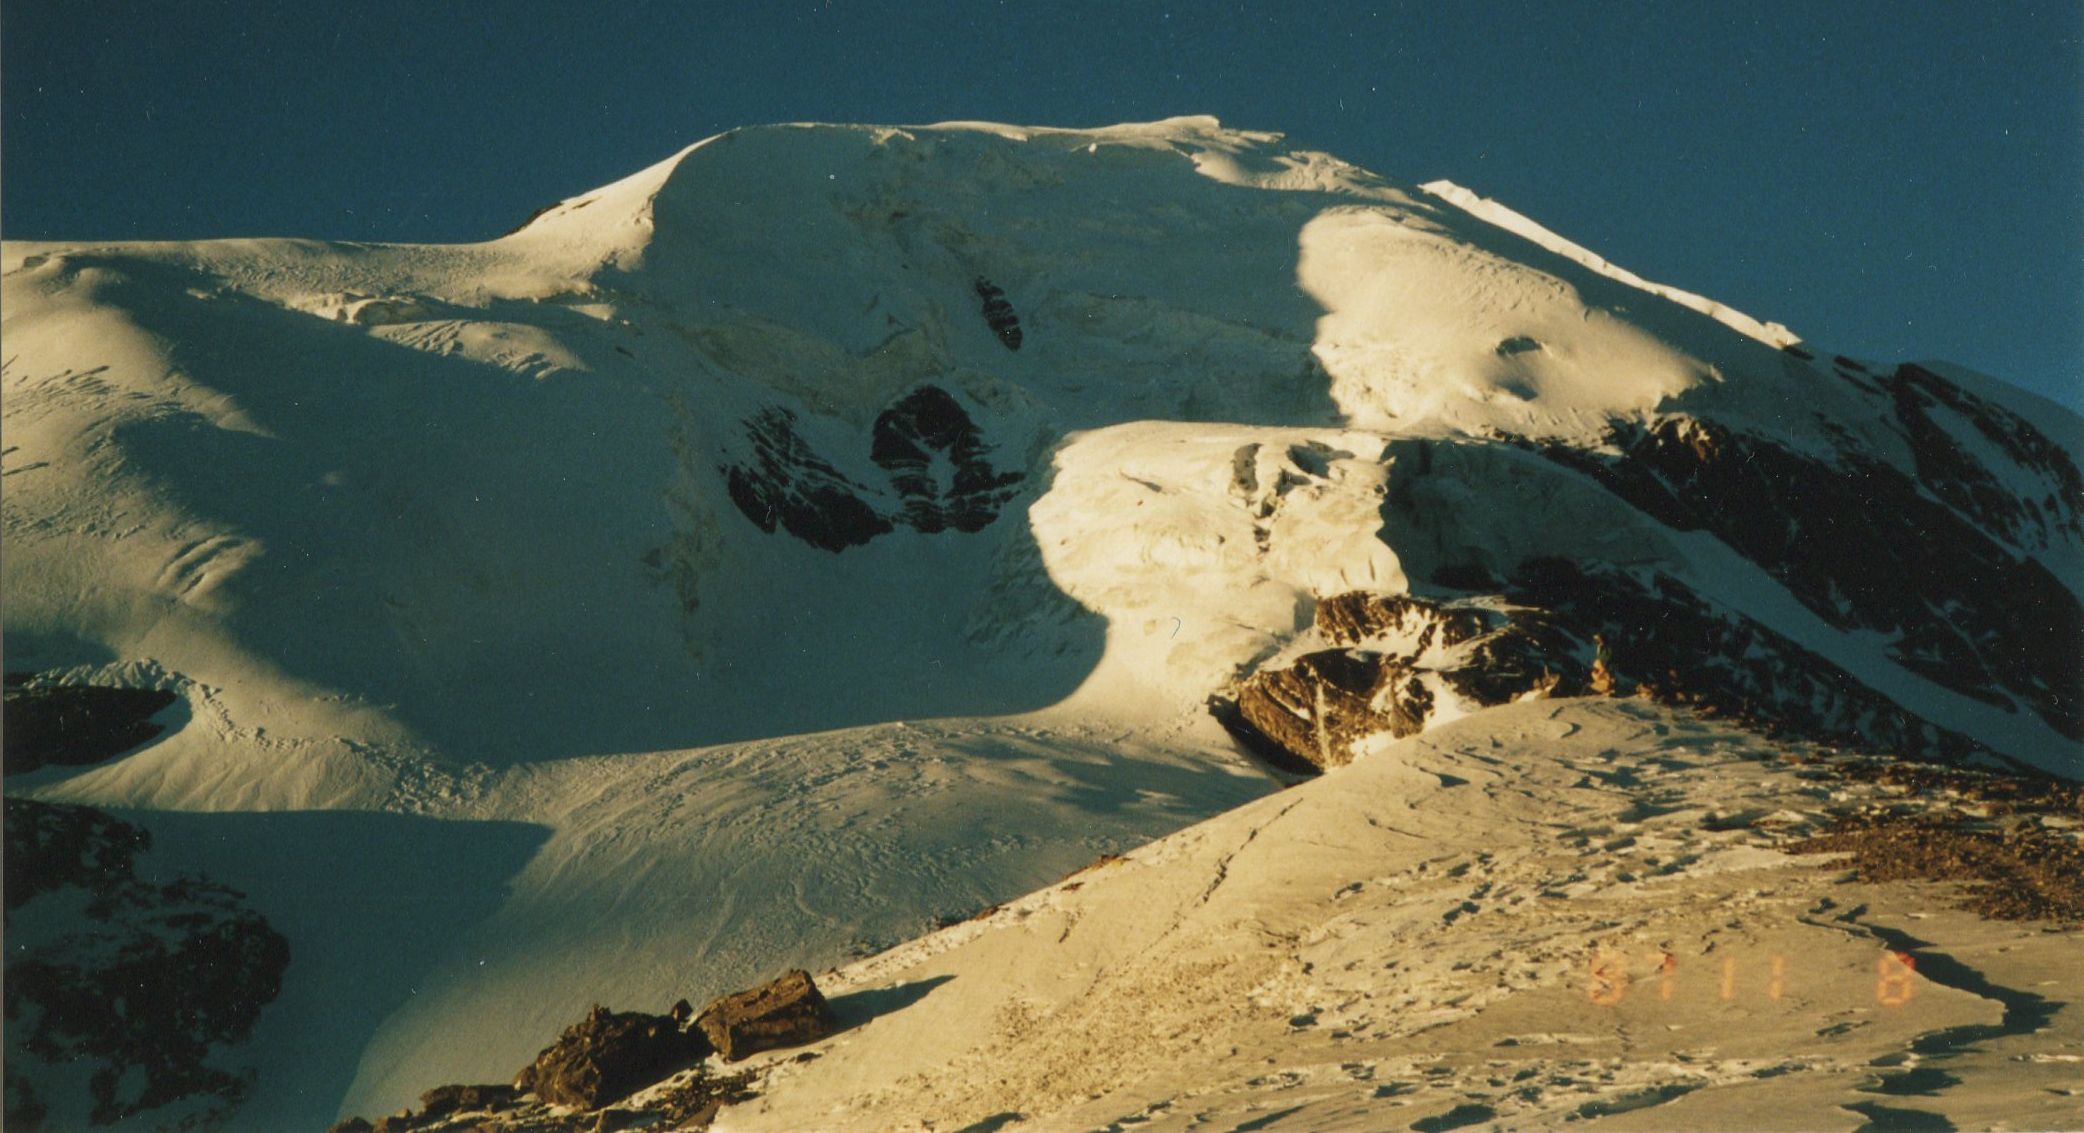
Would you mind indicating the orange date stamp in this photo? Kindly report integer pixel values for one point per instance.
(1611, 977)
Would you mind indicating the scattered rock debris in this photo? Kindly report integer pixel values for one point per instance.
(608, 1056)
(629, 1070)
(2016, 841)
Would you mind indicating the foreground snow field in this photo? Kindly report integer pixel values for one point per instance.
(831, 532)
(1558, 912)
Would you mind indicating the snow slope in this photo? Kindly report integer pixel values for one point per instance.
(1562, 912)
(830, 529)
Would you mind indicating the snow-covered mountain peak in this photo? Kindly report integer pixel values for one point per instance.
(1424, 307)
(940, 506)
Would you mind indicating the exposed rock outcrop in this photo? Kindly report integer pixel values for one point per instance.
(2010, 838)
(608, 1056)
(451, 1108)
(624, 1070)
(1928, 538)
(443, 1100)
(1941, 420)
(1932, 561)
(76, 724)
(938, 465)
(788, 1011)
(787, 485)
(1667, 642)
(999, 313)
(1401, 663)
(688, 1099)
(924, 429)
(135, 988)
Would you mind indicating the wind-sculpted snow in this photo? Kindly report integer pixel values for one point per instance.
(830, 530)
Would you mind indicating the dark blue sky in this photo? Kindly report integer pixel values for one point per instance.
(1892, 180)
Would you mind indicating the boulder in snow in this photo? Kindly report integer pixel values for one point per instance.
(444, 1100)
(786, 1012)
(608, 1056)
(1401, 662)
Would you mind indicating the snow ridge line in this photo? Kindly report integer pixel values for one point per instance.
(1502, 216)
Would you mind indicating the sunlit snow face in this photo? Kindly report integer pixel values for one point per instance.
(1422, 325)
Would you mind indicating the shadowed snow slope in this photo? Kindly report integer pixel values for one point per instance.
(832, 528)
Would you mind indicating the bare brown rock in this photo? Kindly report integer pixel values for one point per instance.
(608, 1056)
(787, 1012)
(2012, 874)
(1315, 708)
(444, 1100)
(1565, 629)
(2009, 839)
(1394, 650)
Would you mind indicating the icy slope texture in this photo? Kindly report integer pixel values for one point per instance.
(905, 495)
